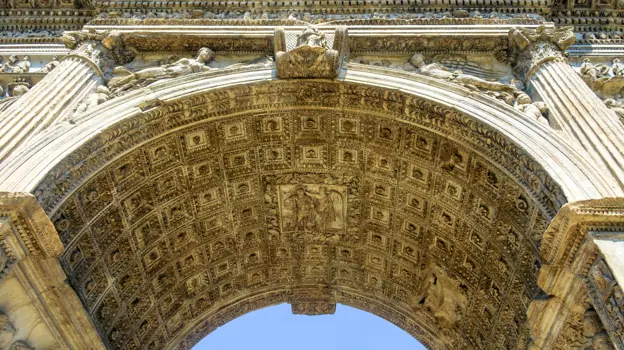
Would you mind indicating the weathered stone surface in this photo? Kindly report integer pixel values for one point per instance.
(197, 162)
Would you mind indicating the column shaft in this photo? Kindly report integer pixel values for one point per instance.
(48, 102)
(581, 114)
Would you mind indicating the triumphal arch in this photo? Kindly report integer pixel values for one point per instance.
(455, 167)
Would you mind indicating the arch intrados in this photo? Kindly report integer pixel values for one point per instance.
(562, 162)
(111, 237)
(156, 103)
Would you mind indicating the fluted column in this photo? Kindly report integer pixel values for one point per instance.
(573, 106)
(55, 97)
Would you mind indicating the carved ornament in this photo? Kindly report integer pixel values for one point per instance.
(607, 81)
(26, 218)
(608, 299)
(311, 56)
(95, 46)
(298, 196)
(529, 48)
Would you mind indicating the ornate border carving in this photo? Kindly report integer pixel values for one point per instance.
(31, 224)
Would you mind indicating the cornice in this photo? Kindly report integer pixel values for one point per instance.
(330, 6)
(388, 39)
(364, 21)
(32, 48)
(257, 36)
(591, 17)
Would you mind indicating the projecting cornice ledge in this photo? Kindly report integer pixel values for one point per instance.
(392, 39)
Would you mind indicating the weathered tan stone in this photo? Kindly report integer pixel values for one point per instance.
(453, 176)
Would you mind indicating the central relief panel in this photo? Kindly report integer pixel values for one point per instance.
(308, 206)
(314, 211)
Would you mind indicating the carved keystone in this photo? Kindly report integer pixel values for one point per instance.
(312, 301)
(310, 55)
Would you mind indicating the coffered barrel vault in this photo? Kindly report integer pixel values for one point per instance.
(168, 167)
(221, 210)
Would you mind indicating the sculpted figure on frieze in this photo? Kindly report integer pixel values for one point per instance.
(606, 81)
(533, 110)
(50, 66)
(616, 107)
(124, 79)
(101, 95)
(590, 71)
(438, 71)
(14, 65)
(617, 68)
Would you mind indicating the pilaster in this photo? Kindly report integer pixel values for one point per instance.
(581, 254)
(42, 309)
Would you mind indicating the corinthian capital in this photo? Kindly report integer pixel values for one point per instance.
(103, 49)
(529, 48)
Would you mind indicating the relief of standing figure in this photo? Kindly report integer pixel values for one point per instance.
(325, 209)
(302, 206)
(313, 211)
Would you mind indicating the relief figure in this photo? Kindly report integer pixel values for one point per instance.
(440, 295)
(127, 79)
(438, 71)
(313, 208)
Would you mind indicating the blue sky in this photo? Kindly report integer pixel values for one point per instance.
(276, 328)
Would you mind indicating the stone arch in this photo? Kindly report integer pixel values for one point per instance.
(438, 198)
